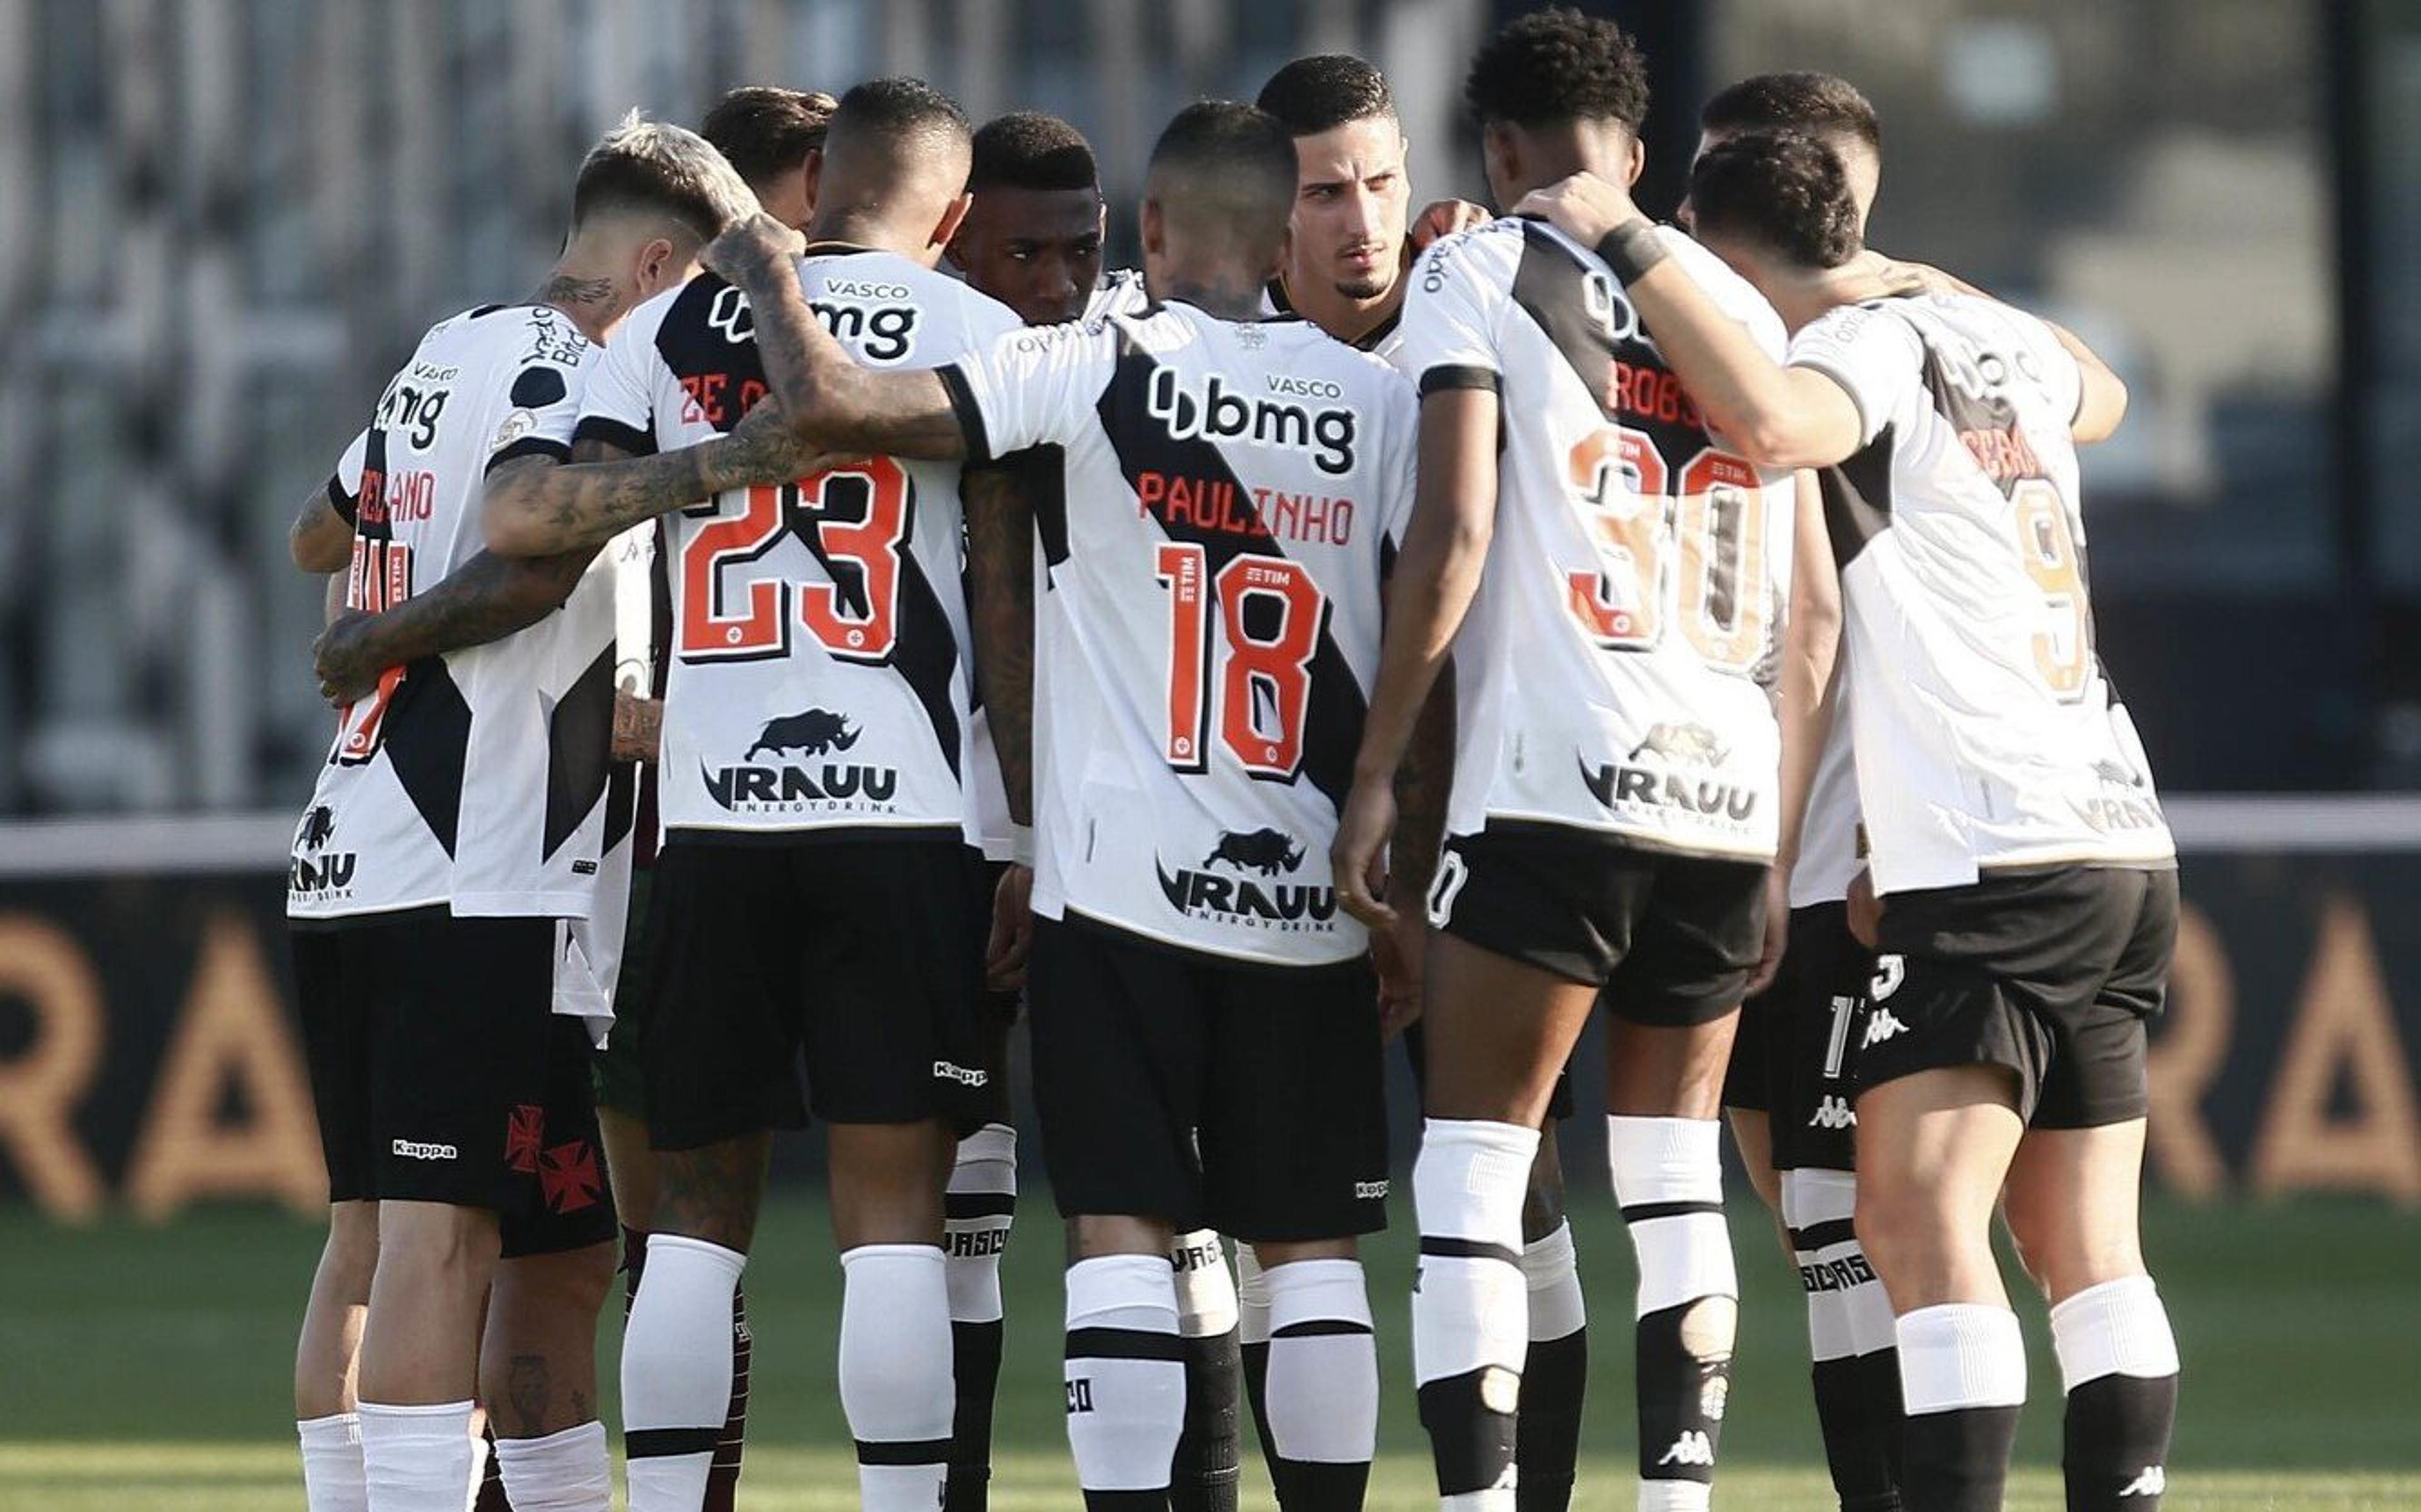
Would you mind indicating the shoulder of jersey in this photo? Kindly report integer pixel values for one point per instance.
(1498, 241)
(548, 334)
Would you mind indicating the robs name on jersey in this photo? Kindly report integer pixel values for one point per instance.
(1217, 414)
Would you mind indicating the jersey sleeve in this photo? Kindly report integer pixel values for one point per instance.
(1872, 354)
(1402, 469)
(618, 407)
(1448, 335)
(1029, 387)
(544, 401)
(2063, 377)
(345, 483)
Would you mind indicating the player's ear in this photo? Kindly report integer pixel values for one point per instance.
(660, 264)
(1638, 162)
(952, 219)
(1155, 229)
(814, 175)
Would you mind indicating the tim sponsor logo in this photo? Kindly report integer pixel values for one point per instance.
(797, 787)
(1217, 414)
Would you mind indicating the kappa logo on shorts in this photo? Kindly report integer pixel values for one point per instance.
(2152, 1481)
(1692, 1448)
(963, 1075)
(1883, 1025)
(1370, 1190)
(1834, 1112)
(413, 1149)
(1890, 972)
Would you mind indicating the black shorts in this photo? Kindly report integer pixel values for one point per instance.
(1670, 939)
(1207, 1093)
(616, 1072)
(442, 1073)
(857, 952)
(1559, 1102)
(2053, 974)
(1793, 1057)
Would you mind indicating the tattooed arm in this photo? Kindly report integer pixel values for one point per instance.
(321, 539)
(546, 510)
(829, 402)
(1000, 604)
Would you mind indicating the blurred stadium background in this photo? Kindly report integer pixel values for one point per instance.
(224, 222)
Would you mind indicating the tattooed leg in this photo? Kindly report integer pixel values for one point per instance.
(538, 1364)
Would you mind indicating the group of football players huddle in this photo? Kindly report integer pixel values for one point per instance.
(775, 648)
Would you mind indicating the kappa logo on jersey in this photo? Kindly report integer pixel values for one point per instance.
(314, 869)
(1883, 1025)
(1646, 777)
(1218, 414)
(1832, 1113)
(1199, 893)
(1692, 1448)
(791, 788)
(1267, 852)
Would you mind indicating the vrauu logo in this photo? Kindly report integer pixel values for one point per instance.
(313, 868)
(1201, 893)
(1647, 776)
(805, 785)
(1216, 415)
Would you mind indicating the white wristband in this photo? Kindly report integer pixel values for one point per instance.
(1021, 845)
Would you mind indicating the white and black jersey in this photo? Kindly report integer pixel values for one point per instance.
(475, 779)
(1210, 620)
(1608, 675)
(1120, 292)
(819, 679)
(1832, 842)
(1987, 733)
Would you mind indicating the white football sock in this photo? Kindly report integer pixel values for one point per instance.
(894, 1373)
(1471, 1325)
(1551, 1272)
(1960, 1355)
(563, 1471)
(1205, 1293)
(419, 1458)
(677, 1370)
(1125, 1372)
(332, 1463)
(981, 1204)
(1324, 1387)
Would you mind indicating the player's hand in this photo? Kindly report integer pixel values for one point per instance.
(1778, 931)
(638, 727)
(343, 660)
(1362, 830)
(1865, 911)
(1917, 277)
(1399, 953)
(1012, 930)
(752, 246)
(1445, 218)
(1584, 207)
(766, 447)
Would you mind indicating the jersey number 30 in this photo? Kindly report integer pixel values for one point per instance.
(858, 516)
(1710, 514)
(1270, 616)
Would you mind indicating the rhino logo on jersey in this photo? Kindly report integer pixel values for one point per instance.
(2116, 774)
(318, 826)
(1267, 852)
(1690, 745)
(813, 732)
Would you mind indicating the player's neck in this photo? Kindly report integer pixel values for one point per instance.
(1219, 292)
(867, 225)
(1339, 314)
(1803, 295)
(581, 288)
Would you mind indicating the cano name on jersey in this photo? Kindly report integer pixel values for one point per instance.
(476, 779)
(819, 676)
(1608, 675)
(1233, 493)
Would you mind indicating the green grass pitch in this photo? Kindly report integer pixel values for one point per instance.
(149, 1368)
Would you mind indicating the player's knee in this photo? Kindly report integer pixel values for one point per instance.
(2065, 1253)
(436, 1240)
(351, 1252)
(574, 1281)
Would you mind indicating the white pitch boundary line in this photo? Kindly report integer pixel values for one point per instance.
(232, 844)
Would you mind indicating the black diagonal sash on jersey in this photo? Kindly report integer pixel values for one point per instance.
(1551, 285)
(426, 737)
(579, 753)
(926, 651)
(1857, 497)
(1334, 712)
